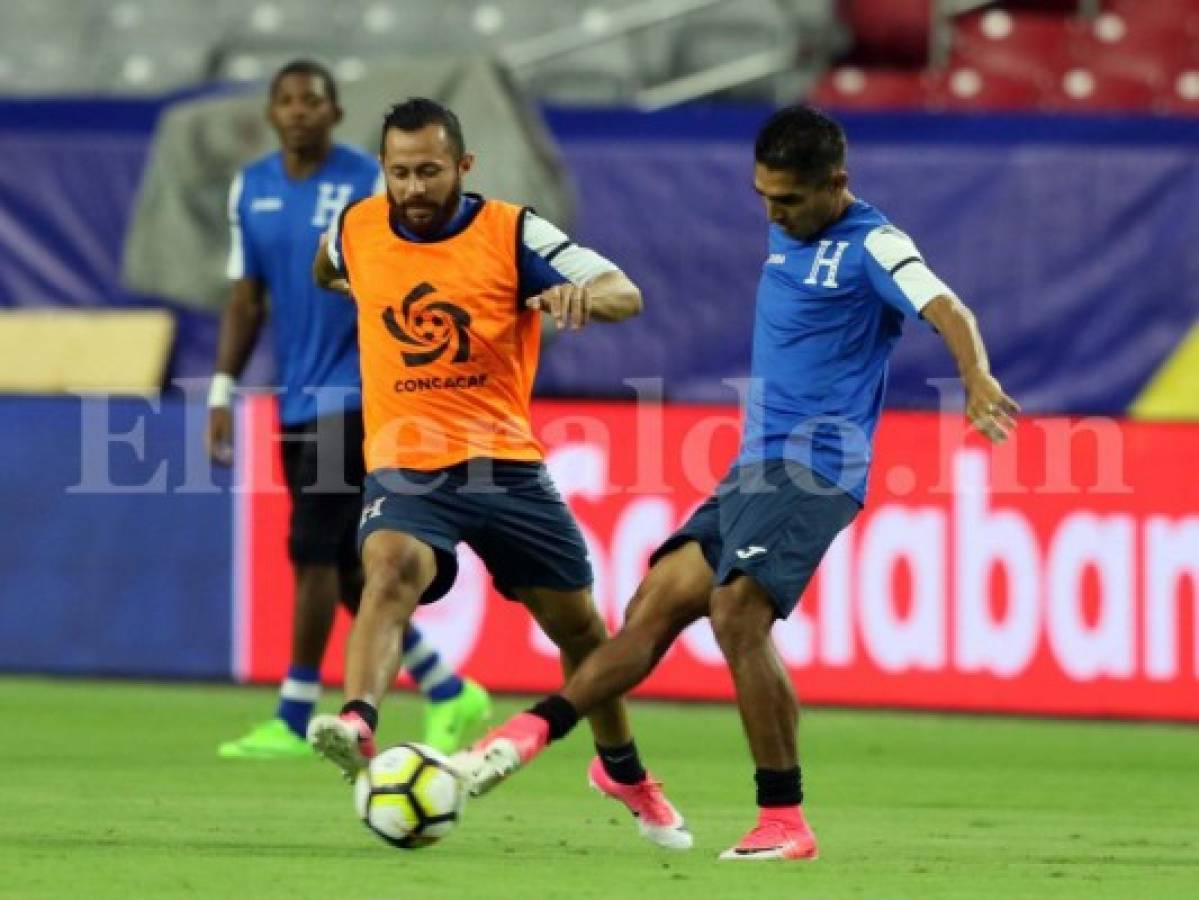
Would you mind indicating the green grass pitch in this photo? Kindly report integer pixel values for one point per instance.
(113, 790)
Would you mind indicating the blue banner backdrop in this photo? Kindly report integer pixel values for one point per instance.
(107, 567)
(1069, 236)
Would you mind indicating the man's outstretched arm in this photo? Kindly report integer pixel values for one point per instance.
(989, 409)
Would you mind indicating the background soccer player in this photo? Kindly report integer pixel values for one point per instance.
(448, 288)
(278, 208)
(837, 283)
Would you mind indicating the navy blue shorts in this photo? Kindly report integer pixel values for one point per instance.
(513, 518)
(772, 521)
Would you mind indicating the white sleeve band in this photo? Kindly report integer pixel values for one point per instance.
(920, 284)
(220, 391)
(576, 264)
(235, 267)
(897, 255)
(331, 236)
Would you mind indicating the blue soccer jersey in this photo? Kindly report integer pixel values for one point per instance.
(276, 225)
(829, 311)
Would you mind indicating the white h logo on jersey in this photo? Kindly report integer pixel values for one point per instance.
(330, 202)
(827, 260)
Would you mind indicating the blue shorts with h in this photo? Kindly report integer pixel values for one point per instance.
(508, 512)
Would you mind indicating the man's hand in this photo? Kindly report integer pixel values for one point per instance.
(568, 304)
(324, 273)
(219, 438)
(989, 409)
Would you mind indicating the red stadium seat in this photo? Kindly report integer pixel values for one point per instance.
(1134, 47)
(1083, 89)
(964, 88)
(1164, 12)
(849, 87)
(1016, 43)
(1064, 6)
(1182, 94)
(888, 32)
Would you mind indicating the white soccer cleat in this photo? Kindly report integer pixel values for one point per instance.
(482, 768)
(501, 752)
(657, 819)
(345, 740)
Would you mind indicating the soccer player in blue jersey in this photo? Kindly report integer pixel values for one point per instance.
(838, 282)
(279, 206)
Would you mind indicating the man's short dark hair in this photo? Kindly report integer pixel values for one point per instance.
(802, 140)
(416, 113)
(306, 67)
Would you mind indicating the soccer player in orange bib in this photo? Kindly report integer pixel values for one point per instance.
(450, 289)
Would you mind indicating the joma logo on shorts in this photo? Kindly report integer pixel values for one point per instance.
(750, 552)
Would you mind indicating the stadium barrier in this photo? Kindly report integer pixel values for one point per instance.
(1055, 575)
(114, 557)
(105, 351)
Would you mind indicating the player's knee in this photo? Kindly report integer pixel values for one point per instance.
(674, 593)
(396, 566)
(660, 610)
(578, 636)
(737, 623)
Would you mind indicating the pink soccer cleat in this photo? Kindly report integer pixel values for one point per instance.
(501, 752)
(345, 740)
(779, 834)
(657, 819)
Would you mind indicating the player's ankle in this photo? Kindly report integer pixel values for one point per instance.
(365, 711)
(779, 788)
(622, 763)
(558, 713)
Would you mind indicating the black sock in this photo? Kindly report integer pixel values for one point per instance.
(779, 787)
(622, 763)
(369, 714)
(559, 712)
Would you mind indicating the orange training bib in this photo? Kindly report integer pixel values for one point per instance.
(448, 354)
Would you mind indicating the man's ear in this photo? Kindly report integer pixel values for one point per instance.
(466, 163)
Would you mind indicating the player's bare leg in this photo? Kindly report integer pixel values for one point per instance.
(318, 588)
(571, 621)
(449, 720)
(742, 616)
(673, 595)
(398, 568)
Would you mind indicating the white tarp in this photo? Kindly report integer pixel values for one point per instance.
(178, 236)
